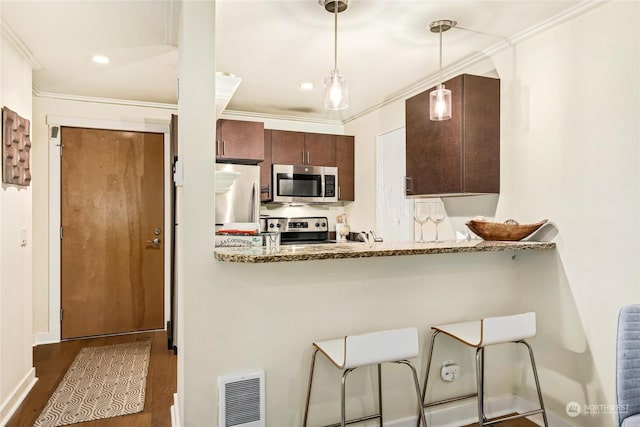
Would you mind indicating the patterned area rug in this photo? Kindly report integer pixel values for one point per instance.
(102, 382)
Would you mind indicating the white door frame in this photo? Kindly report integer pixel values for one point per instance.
(54, 334)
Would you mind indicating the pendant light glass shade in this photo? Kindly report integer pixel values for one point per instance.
(336, 92)
(440, 98)
(440, 104)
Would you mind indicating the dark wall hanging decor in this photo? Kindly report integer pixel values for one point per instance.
(16, 145)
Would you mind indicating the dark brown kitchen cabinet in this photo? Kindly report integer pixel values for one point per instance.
(287, 148)
(299, 148)
(320, 149)
(240, 141)
(458, 156)
(266, 194)
(345, 160)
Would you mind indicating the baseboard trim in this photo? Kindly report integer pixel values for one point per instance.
(466, 413)
(15, 398)
(175, 412)
(40, 338)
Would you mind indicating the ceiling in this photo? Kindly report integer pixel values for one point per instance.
(384, 47)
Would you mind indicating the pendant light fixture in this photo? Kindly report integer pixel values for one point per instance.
(440, 99)
(336, 93)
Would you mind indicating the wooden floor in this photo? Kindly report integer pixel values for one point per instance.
(52, 361)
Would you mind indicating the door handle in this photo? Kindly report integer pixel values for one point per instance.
(156, 242)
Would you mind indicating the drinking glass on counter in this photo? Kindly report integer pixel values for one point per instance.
(272, 241)
(421, 215)
(437, 215)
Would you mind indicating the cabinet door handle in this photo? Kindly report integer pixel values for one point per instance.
(338, 192)
(303, 157)
(407, 187)
(223, 146)
(308, 158)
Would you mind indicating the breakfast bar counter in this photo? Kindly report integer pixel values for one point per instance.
(366, 250)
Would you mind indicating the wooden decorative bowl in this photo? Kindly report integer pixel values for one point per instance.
(503, 231)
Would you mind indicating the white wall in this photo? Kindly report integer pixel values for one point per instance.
(197, 279)
(43, 107)
(570, 147)
(16, 373)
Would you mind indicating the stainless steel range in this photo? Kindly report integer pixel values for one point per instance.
(301, 230)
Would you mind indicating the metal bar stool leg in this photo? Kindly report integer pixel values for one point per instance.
(306, 406)
(343, 419)
(426, 375)
(380, 391)
(421, 416)
(480, 384)
(535, 376)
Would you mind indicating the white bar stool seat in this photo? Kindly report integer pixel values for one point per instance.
(353, 351)
(482, 333)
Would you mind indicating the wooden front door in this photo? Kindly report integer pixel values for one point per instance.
(112, 271)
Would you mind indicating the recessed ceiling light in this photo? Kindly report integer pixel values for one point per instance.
(306, 85)
(100, 59)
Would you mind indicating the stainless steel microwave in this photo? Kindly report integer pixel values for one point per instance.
(305, 184)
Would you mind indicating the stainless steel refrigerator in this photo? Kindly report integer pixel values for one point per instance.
(242, 202)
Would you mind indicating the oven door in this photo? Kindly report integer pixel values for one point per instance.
(301, 184)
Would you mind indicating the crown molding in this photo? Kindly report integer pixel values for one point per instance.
(131, 103)
(111, 101)
(227, 113)
(15, 41)
(460, 66)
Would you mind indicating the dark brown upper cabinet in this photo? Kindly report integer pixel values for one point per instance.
(287, 148)
(320, 149)
(345, 160)
(299, 148)
(460, 156)
(239, 141)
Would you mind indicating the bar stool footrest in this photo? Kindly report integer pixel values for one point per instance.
(452, 399)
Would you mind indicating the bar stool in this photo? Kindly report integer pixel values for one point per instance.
(353, 351)
(482, 333)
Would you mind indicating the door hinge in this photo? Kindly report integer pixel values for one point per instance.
(61, 314)
(60, 232)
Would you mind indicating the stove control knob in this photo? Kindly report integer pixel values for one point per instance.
(317, 224)
(270, 225)
(324, 224)
(278, 225)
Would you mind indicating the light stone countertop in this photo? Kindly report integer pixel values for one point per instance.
(260, 254)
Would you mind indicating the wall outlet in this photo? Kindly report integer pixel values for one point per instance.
(450, 371)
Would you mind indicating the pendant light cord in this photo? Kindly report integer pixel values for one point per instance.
(335, 35)
(440, 55)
